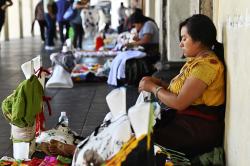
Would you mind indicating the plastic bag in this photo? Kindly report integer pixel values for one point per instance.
(70, 13)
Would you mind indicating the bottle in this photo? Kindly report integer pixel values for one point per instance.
(63, 119)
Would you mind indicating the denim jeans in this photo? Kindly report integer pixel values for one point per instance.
(51, 29)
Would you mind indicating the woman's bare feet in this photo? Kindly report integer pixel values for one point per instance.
(58, 148)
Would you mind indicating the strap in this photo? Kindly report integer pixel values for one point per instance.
(39, 71)
(212, 113)
(47, 99)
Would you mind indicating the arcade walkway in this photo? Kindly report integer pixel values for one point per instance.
(85, 103)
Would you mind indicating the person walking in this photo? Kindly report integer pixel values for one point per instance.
(39, 16)
(76, 23)
(50, 18)
(4, 4)
(62, 6)
(122, 18)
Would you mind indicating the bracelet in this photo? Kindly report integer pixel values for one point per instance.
(157, 90)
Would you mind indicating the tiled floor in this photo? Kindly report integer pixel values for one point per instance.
(85, 103)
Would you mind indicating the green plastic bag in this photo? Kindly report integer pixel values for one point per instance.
(71, 33)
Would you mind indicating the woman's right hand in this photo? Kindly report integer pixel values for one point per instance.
(147, 84)
(153, 79)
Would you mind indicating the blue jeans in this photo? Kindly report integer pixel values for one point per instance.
(51, 29)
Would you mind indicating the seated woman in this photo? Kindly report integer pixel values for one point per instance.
(194, 99)
(148, 37)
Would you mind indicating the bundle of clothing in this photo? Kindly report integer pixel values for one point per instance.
(63, 63)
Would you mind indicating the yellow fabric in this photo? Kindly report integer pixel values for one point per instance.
(210, 70)
(123, 153)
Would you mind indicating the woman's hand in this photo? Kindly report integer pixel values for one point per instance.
(147, 84)
(136, 38)
(129, 45)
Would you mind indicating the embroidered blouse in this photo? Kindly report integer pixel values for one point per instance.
(210, 70)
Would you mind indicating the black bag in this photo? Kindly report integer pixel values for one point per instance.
(136, 69)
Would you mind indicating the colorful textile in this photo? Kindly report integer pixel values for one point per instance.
(135, 152)
(87, 72)
(208, 69)
(22, 106)
(81, 54)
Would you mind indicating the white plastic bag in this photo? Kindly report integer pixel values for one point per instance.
(139, 114)
(108, 139)
(60, 78)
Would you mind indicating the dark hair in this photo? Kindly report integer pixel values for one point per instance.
(138, 17)
(201, 28)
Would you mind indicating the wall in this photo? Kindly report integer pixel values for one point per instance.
(176, 12)
(234, 30)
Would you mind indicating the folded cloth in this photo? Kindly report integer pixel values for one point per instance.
(117, 69)
(64, 59)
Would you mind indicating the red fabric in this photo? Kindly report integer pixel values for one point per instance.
(99, 43)
(34, 162)
(198, 113)
(40, 70)
(40, 118)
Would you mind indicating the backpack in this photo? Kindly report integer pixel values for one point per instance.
(20, 108)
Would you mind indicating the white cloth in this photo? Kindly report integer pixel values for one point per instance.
(106, 143)
(117, 70)
(90, 19)
(60, 78)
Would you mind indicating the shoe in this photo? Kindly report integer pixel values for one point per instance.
(50, 48)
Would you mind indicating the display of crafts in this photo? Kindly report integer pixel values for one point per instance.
(108, 53)
(87, 72)
(48, 161)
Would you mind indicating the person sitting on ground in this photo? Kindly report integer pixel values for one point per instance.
(194, 100)
(147, 30)
(147, 38)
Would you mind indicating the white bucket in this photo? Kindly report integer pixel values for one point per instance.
(21, 150)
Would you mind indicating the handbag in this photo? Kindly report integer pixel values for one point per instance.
(70, 13)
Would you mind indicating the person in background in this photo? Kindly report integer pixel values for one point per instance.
(50, 18)
(147, 37)
(148, 31)
(39, 16)
(62, 6)
(122, 18)
(4, 4)
(76, 23)
(192, 116)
